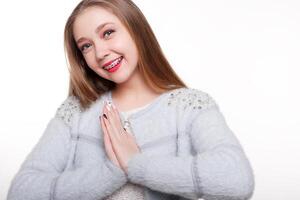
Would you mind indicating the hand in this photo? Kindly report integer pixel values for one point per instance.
(121, 145)
(107, 144)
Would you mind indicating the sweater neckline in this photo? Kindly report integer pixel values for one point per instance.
(135, 109)
(150, 105)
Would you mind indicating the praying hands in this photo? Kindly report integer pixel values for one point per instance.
(120, 145)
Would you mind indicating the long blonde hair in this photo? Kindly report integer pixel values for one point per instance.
(87, 85)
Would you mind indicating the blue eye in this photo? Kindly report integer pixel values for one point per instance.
(108, 32)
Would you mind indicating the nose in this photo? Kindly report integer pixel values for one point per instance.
(101, 51)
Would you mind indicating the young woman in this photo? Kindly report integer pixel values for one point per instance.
(130, 128)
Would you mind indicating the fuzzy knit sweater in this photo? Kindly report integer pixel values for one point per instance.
(187, 152)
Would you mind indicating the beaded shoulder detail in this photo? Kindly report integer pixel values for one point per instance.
(68, 108)
(190, 98)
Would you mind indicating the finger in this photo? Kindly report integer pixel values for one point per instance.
(115, 127)
(105, 118)
(109, 129)
(104, 129)
(113, 133)
(106, 122)
(107, 144)
(117, 114)
(107, 109)
(129, 135)
(117, 119)
(106, 138)
(107, 112)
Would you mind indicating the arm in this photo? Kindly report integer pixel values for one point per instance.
(42, 175)
(219, 170)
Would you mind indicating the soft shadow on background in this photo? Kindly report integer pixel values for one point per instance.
(243, 53)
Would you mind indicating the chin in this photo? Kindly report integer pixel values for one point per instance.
(121, 79)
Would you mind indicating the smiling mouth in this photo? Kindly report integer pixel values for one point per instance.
(113, 63)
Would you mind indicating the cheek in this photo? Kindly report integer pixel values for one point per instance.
(127, 47)
(133, 53)
(119, 46)
(92, 64)
(131, 48)
(90, 60)
(123, 43)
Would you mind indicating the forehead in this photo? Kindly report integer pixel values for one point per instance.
(90, 18)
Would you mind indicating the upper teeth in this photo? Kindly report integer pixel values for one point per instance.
(113, 63)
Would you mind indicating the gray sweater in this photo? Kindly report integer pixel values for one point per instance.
(188, 152)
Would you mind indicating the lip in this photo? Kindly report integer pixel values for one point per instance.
(108, 63)
(115, 68)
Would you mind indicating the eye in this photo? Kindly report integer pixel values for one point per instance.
(108, 33)
(82, 48)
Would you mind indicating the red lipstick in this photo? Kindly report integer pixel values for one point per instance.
(108, 63)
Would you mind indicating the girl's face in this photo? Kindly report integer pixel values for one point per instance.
(105, 43)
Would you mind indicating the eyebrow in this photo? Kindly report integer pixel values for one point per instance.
(96, 31)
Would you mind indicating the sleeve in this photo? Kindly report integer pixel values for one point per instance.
(42, 176)
(219, 170)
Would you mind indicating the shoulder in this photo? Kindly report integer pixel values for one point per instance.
(190, 98)
(68, 108)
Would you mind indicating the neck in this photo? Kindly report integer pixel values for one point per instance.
(135, 88)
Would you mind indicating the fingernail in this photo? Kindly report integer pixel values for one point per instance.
(104, 115)
(108, 107)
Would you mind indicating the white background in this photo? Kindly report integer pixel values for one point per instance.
(243, 53)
